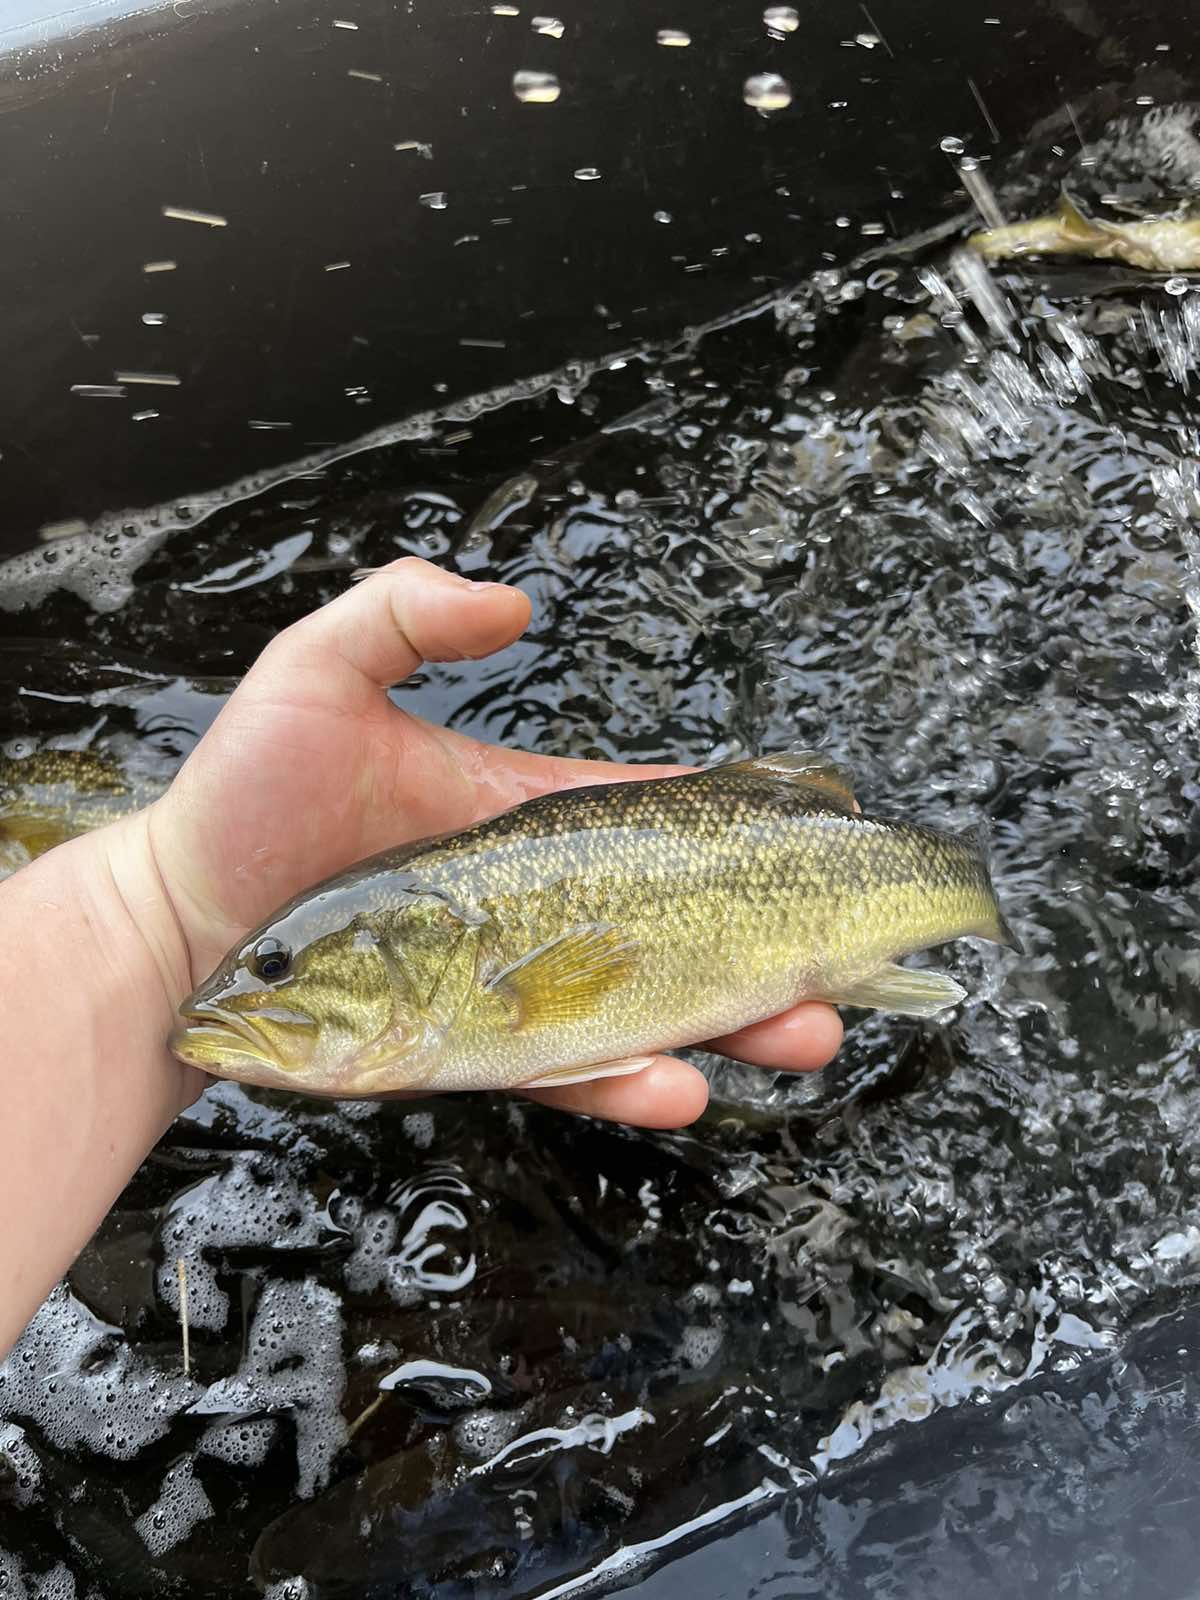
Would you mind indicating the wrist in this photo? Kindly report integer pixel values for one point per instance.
(139, 928)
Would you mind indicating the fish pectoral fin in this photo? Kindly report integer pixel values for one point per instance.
(807, 769)
(906, 991)
(565, 980)
(558, 1076)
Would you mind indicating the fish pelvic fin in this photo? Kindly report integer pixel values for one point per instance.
(806, 769)
(557, 1077)
(565, 980)
(905, 991)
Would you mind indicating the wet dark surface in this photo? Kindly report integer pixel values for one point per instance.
(334, 301)
(929, 1316)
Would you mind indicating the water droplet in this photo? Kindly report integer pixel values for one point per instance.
(154, 319)
(867, 40)
(506, 11)
(436, 200)
(841, 222)
(1176, 286)
(674, 37)
(536, 88)
(1144, 100)
(663, 216)
(767, 91)
(587, 174)
(952, 146)
(783, 19)
(552, 27)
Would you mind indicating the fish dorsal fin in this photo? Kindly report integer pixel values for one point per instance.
(565, 980)
(807, 769)
(1074, 221)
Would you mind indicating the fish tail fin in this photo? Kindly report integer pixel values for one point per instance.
(978, 840)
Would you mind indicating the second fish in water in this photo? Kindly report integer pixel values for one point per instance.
(572, 936)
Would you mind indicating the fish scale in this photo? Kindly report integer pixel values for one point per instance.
(577, 933)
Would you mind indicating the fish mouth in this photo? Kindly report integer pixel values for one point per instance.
(220, 1040)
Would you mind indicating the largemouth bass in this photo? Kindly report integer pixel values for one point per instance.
(571, 936)
(1156, 244)
(55, 795)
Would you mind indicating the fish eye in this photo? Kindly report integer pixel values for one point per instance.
(270, 960)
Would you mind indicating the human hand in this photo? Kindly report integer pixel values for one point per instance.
(310, 767)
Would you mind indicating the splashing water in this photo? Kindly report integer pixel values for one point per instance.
(941, 520)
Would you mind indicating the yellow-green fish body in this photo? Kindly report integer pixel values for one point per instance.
(570, 937)
(53, 795)
(1156, 244)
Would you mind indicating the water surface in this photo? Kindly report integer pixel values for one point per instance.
(940, 523)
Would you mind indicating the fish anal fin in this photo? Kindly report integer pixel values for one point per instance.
(565, 980)
(557, 1077)
(807, 769)
(904, 991)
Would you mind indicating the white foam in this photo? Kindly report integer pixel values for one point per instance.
(240, 1444)
(79, 1384)
(21, 1460)
(181, 1504)
(16, 1584)
(293, 1367)
(699, 1345)
(57, 1584)
(237, 1208)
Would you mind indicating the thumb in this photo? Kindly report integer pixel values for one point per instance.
(385, 627)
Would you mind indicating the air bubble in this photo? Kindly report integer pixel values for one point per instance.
(673, 38)
(952, 145)
(782, 19)
(481, 1433)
